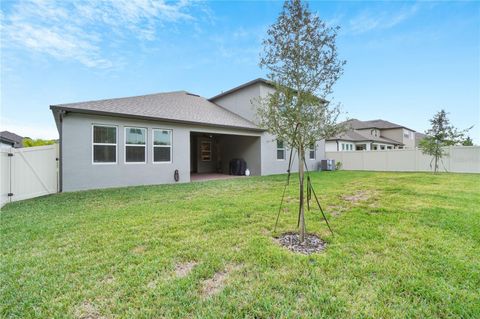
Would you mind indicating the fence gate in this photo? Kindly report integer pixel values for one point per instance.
(28, 172)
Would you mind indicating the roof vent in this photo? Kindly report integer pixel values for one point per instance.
(192, 94)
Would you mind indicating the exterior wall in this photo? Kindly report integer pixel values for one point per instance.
(240, 102)
(80, 173)
(5, 146)
(247, 148)
(397, 135)
(331, 146)
(271, 165)
(461, 159)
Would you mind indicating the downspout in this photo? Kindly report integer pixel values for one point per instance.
(61, 114)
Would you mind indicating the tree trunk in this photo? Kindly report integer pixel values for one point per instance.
(302, 206)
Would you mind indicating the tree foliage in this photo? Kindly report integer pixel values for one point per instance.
(300, 55)
(28, 142)
(468, 141)
(441, 134)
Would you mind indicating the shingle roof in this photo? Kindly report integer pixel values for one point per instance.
(259, 80)
(13, 138)
(356, 136)
(179, 106)
(380, 124)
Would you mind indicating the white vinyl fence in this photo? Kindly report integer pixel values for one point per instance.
(461, 159)
(28, 172)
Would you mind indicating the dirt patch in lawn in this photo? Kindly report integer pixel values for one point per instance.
(109, 279)
(312, 243)
(183, 269)
(336, 210)
(87, 310)
(139, 250)
(358, 196)
(152, 284)
(214, 285)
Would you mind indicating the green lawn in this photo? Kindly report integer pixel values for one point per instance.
(406, 245)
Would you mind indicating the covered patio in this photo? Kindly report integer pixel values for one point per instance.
(210, 155)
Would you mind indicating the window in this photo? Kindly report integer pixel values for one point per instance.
(104, 140)
(311, 151)
(280, 150)
(162, 146)
(407, 134)
(135, 145)
(343, 146)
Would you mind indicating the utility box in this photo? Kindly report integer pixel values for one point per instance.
(327, 165)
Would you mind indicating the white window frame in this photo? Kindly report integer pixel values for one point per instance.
(105, 144)
(134, 145)
(314, 149)
(284, 149)
(164, 146)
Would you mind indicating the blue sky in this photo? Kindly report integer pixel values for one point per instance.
(405, 60)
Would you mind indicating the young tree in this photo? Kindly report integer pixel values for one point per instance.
(301, 56)
(441, 134)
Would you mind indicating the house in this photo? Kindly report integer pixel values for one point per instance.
(9, 139)
(165, 137)
(371, 135)
(418, 137)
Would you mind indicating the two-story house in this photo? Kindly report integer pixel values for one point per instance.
(371, 135)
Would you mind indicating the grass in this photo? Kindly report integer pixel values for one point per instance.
(408, 246)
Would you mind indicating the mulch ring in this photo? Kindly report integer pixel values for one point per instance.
(312, 243)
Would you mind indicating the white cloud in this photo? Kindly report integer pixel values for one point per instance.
(375, 20)
(79, 30)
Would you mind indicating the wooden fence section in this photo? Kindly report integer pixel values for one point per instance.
(28, 172)
(460, 159)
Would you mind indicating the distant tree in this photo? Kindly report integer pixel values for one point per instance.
(441, 134)
(301, 56)
(28, 142)
(468, 141)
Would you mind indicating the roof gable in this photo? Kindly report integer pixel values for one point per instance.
(240, 87)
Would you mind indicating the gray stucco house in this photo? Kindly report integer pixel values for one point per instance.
(373, 135)
(143, 140)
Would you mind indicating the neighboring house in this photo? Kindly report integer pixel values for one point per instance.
(371, 135)
(418, 137)
(146, 139)
(9, 139)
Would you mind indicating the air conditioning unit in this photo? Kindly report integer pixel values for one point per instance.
(327, 165)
